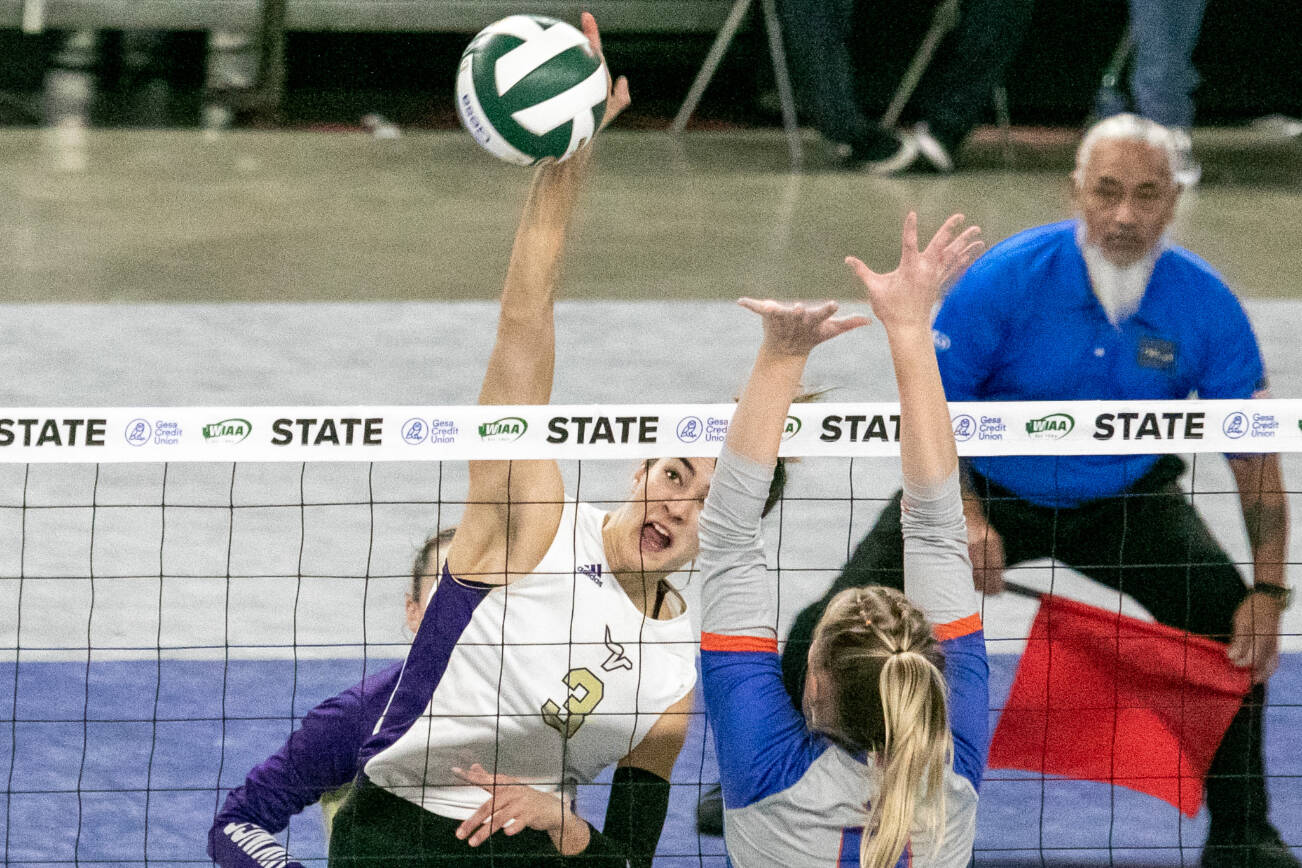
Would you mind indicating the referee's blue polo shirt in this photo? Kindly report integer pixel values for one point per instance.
(1023, 324)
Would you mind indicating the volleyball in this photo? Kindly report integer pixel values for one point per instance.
(531, 87)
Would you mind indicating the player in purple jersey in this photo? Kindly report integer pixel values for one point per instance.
(885, 761)
(320, 759)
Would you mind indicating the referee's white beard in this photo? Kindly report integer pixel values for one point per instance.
(1119, 288)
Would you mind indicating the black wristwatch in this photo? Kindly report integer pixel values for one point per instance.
(1279, 593)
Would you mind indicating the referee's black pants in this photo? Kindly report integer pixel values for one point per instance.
(1151, 544)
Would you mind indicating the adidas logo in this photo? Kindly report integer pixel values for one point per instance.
(592, 571)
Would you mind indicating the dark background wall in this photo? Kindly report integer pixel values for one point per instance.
(1250, 57)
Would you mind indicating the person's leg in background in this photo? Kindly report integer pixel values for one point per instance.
(817, 34)
(71, 79)
(1163, 77)
(145, 57)
(959, 87)
(232, 76)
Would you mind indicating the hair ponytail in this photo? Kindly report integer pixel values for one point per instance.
(429, 560)
(884, 669)
(918, 750)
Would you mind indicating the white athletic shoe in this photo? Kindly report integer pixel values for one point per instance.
(896, 162)
(931, 149)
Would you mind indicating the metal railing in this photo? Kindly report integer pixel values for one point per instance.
(681, 16)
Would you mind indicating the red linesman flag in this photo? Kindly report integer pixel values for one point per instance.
(1100, 696)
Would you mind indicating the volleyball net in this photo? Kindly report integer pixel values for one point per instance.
(179, 586)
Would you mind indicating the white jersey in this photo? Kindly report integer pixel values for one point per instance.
(548, 679)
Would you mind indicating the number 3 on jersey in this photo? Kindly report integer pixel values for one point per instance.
(586, 691)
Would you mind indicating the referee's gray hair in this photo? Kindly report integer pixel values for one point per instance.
(1131, 128)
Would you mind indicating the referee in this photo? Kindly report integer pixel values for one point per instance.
(1104, 308)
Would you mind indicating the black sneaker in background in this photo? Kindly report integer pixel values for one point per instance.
(880, 152)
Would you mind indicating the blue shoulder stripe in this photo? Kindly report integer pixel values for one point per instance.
(761, 739)
(968, 675)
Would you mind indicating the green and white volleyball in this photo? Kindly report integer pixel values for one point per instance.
(531, 87)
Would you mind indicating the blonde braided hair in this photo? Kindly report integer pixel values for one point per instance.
(885, 670)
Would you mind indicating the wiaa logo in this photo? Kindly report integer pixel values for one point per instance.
(504, 430)
(227, 431)
(1055, 426)
(791, 428)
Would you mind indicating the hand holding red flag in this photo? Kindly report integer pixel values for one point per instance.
(1101, 696)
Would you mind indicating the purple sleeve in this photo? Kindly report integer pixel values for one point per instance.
(318, 757)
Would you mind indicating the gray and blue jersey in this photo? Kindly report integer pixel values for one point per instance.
(792, 797)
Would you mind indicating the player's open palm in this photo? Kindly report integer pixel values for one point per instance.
(795, 328)
(905, 297)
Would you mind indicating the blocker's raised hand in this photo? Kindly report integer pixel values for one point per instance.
(906, 295)
(795, 328)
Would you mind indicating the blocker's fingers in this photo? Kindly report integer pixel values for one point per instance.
(763, 307)
(945, 234)
(970, 254)
(505, 817)
(1239, 651)
(909, 236)
(824, 310)
(476, 775)
(620, 94)
(841, 324)
(861, 271)
(969, 236)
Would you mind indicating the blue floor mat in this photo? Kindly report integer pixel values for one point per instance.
(125, 763)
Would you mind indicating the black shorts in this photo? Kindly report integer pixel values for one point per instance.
(376, 829)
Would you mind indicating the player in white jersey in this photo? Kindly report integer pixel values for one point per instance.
(553, 645)
(883, 766)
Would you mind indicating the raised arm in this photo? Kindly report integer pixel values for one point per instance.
(520, 371)
(903, 301)
(937, 569)
(762, 742)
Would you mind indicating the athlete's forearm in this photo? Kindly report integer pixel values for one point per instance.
(737, 593)
(927, 452)
(756, 427)
(1265, 514)
(635, 814)
(520, 368)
